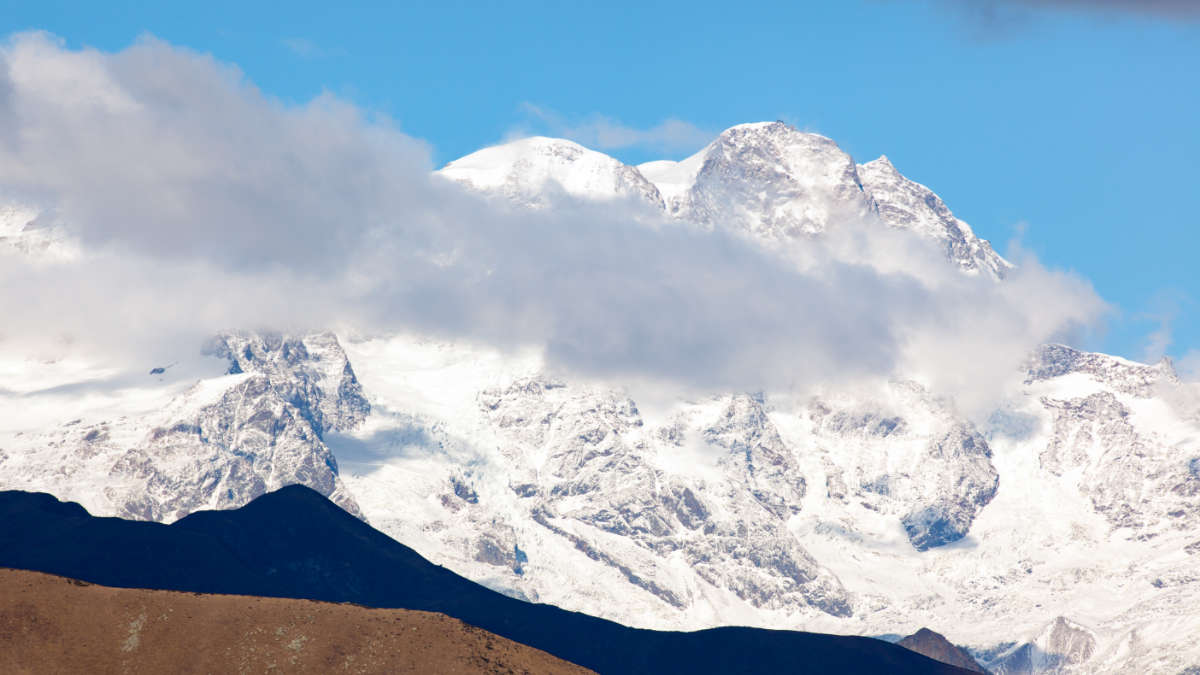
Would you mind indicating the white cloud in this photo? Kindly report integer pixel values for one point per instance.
(203, 205)
(603, 133)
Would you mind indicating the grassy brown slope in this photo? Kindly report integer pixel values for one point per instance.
(51, 624)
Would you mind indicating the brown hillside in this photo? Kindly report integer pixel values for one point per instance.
(50, 624)
(936, 646)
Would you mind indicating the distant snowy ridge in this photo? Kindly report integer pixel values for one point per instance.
(765, 179)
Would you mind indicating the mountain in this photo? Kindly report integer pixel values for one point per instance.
(936, 646)
(860, 510)
(132, 630)
(769, 178)
(295, 543)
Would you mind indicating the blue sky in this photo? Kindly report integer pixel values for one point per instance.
(1073, 126)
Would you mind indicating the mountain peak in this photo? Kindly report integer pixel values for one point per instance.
(881, 163)
(531, 170)
(776, 127)
(767, 178)
(935, 645)
(770, 132)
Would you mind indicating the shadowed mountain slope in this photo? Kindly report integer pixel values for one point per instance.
(294, 543)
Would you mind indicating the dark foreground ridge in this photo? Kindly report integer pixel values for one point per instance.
(294, 543)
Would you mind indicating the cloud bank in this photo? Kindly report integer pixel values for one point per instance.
(201, 204)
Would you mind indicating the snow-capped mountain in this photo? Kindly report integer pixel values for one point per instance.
(767, 180)
(1061, 535)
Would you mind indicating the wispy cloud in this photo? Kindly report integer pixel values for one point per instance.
(303, 47)
(604, 133)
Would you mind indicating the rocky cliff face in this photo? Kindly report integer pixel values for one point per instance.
(686, 513)
(1130, 472)
(598, 476)
(926, 466)
(217, 443)
(311, 373)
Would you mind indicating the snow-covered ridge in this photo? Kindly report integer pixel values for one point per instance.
(533, 170)
(767, 180)
(908, 205)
